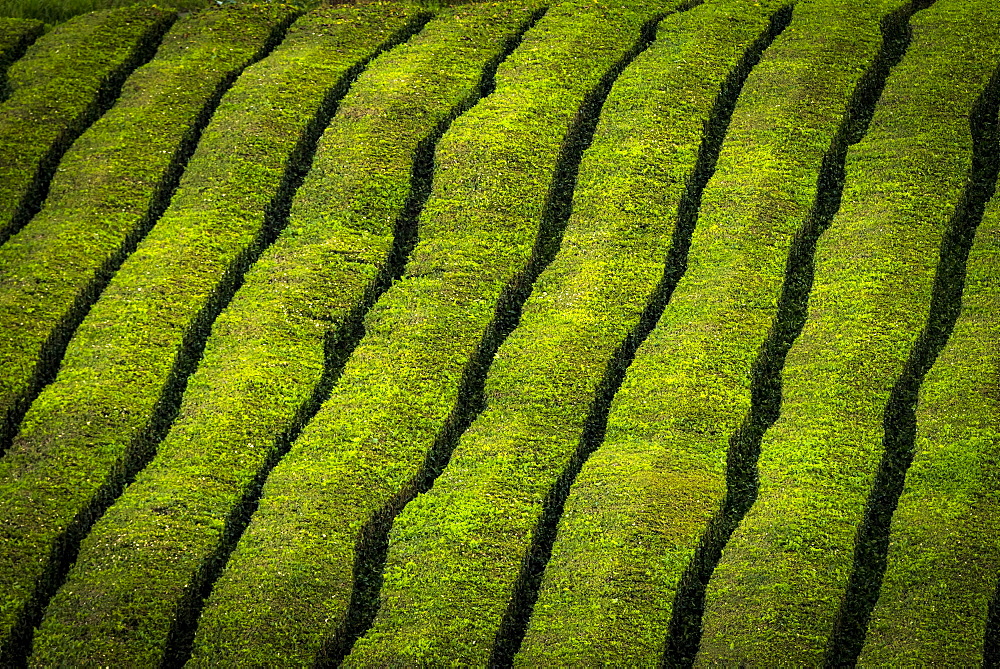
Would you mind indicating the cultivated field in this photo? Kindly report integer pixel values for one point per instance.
(580, 333)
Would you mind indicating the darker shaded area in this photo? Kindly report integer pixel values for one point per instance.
(900, 421)
(991, 644)
(14, 54)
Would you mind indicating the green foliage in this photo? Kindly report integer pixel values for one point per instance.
(113, 184)
(16, 35)
(478, 313)
(782, 577)
(125, 368)
(944, 551)
(56, 11)
(605, 599)
(57, 89)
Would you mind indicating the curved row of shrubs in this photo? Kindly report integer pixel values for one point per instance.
(67, 79)
(438, 600)
(781, 583)
(554, 380)
(258, 379)
(380, 163)
(486, 506)
(120, 383)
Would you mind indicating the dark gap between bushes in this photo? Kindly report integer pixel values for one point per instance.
(766, 385)
(68, 544)
(557, 213)
(533, 568)
(900, 419)
(991, 644)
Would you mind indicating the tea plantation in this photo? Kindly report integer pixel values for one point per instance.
(629, 333)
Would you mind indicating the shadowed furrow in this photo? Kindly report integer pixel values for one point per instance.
(991, 642)
(784, 574)
(67, 79)
(119, 387)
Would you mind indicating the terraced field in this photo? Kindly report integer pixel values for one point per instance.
(571, 333)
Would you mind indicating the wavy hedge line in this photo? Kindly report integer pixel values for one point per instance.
(111, 187)
(944, 547)
(432, 608)
(555, 378)
(780, 584)
(582, 308)
(65, 81)
(16, 35)
(944, 557)
(493, 173)
(262, 375)
(120, 383)
(653, 501)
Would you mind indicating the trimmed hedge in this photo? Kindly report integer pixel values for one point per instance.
(552, 381)
(641, 518)
(944, 550)
(16, 35)
(779, 587)
(111, 187)
(65, 81)
(120, 383)
(358, 460)
(263, 366)
(431, 612)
